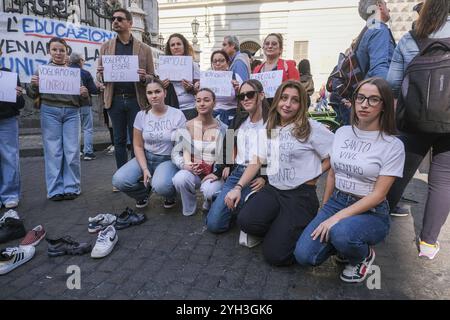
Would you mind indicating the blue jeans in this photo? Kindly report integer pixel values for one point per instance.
(61, 140)
(123, 111)
(350, 237)
(219, 216)
(226, 116)
(9, 160)
(128, 177)
(88, 129)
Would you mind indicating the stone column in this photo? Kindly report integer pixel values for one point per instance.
(402, 16)
(138, 14)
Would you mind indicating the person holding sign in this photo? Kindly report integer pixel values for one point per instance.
(60, 124)
(181, 94)
(154, 131)
(365, 159)
(273, 48)
(123, 100)
(198, 143)
(9, 147)
(225, 109)
(237, 154)
(296, 150)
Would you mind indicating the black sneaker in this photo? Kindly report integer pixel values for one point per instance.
(70, 196)
(57, 197)
(66, 245)
(142, 203)
(12, 229)
(129, 218)
(89, 156)
(168, 204)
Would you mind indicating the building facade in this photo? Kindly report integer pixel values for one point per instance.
(314, 29)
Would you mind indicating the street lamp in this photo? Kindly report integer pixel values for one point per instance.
(195, 25)
(161, 41)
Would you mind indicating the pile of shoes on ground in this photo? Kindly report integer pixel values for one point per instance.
(12, 228)
(105, 224)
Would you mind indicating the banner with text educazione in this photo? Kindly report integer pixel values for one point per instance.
(23, 42)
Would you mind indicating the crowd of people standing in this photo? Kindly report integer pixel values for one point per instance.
(256, 160)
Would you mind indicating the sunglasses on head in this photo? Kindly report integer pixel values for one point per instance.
(120, 19)
(248, 94)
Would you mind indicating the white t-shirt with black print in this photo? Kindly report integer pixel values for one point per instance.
(158, 132)
(291, 162)
(247, 141)
(359, 157)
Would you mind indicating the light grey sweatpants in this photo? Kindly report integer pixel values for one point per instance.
(186, 184)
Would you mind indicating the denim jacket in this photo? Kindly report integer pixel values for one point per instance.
(406, 50)
(375, 51)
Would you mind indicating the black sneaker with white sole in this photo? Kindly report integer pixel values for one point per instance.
(169, 203)
(359, 272)
(66, 245)
(129, 218)
(89, 156)
(142, 203)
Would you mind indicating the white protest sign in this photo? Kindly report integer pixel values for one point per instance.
(270, 80)
(120, 68)
(217, 81)
(175, 68)
(8, 84)
(59, 80)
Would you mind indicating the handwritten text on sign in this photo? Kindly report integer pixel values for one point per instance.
(59, 80)
(217, 81)
(175, 68)
(120, 68)
(270, 81)
(8, 83)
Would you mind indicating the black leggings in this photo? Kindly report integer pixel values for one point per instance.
(280, 216)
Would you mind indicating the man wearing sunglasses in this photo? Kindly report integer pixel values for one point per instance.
(123, 100)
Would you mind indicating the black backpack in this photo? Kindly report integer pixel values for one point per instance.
(424, 102)
(348, 73)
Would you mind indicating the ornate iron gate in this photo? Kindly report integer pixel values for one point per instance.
(95, 13)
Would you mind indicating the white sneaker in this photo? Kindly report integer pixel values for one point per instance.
(358, 273)
(428, 250)
(9, 214)
(11, 204)
(248, 241)
(11, 258)
(100, 222)
(106, 241)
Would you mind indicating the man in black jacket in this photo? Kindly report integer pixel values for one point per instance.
(9, 149)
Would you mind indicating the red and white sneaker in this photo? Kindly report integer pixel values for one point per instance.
(33, 237)
(359, 272)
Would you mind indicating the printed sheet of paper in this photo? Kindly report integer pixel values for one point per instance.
(59, 80)
(175, 68)
(217, 81)
(120, 68)
(270, 80)
(8, 84)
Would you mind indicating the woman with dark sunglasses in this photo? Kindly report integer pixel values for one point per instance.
(366, 158)
(246, 126)
(296, 150)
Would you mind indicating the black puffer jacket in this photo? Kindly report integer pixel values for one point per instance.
(10, 109)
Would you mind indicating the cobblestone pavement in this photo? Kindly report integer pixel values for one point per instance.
(174, 257)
